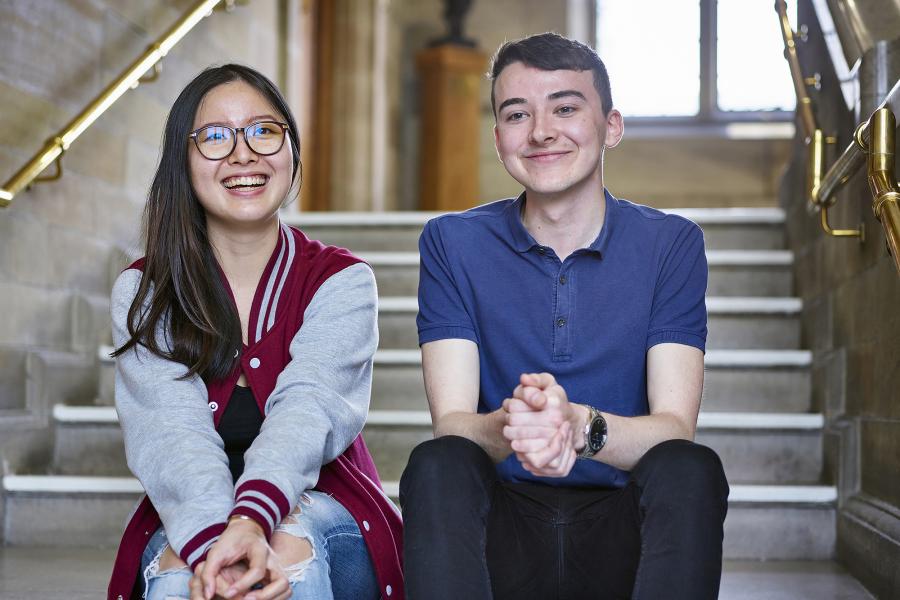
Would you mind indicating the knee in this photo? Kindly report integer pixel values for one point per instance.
(443, 465)
(684, 468)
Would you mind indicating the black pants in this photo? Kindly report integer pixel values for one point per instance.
(469, 535)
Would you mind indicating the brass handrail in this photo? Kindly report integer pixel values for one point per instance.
(129, 79)
(816, 177)
(882, 181)
(804, 103)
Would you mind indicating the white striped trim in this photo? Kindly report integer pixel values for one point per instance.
(261, 498)
(734, 258)
(762, 215)
(255, 506)
(788, 494)
(196, 554)
(289, 238)
(758, 358)
(716, 305)
(71, 484)
(714, 358)
(260, 316)
(724, 305)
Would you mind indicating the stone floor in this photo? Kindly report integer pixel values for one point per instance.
(81, 574)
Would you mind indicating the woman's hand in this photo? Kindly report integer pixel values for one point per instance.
(242, 541)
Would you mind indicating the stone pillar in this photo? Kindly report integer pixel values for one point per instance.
(450, 114)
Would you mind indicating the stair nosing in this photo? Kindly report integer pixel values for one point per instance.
(382, 417)
(714, 258)
(715, 305)
(75, 484)
(701, 216)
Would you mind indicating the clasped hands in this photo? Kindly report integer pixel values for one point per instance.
(544, 429)
(239, 560)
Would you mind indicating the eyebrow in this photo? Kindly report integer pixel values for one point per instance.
(553, 96)
(250, 121)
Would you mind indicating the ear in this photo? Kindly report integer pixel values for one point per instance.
(615, 128)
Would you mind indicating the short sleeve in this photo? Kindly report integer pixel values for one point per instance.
(442, 311)
(678, 313)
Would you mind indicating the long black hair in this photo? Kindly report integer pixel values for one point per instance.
(182, 288)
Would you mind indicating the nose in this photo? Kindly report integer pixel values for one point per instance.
(543, 130)
(242, 152)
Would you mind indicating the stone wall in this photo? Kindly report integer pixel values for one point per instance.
(60, 241)
(851, 321)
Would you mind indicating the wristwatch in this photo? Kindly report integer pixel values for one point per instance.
(594, 434)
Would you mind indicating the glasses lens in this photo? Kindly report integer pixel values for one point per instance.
(215, 141)
(265, 137)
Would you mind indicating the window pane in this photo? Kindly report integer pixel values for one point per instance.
(651, 49)
(752, 73)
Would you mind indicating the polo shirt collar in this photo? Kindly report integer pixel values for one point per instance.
(523, 241)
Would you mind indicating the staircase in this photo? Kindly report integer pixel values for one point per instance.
(755, 410)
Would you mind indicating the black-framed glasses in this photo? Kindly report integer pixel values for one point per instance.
(216, 142)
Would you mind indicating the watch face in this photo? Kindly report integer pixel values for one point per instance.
(597, 436)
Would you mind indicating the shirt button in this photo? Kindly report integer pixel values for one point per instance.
(214, 406)
(254, 363)
(388, 590)
(366, 525)
(541, 250)
(561, 322)
(562, 280)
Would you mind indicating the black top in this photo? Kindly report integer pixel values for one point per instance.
(239, 426)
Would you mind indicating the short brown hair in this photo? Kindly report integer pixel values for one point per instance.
(550, 52)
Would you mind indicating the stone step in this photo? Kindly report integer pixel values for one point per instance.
(755, 447)
(734, 322)
(735, 380)
(764, 522)
(755, 273)
(732, 228)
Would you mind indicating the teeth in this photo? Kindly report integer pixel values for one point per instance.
(244, 181)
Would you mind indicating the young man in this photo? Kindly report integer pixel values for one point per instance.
(562, 337)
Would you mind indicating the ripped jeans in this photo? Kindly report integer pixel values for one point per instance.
(340, 566)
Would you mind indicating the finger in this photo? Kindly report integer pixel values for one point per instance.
(535, 397)
(257, 556)
(540, 380)
(273, 591)
(511, 405)
(546, 418)
(540, 458)
(529, 446)
(196, 588)
(527, 432)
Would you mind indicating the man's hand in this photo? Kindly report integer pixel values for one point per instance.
(241, 542)
(543, 427)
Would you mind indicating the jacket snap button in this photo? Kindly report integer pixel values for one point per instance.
(254, 363)
(366, 525)
(389, 590)
(214, 406)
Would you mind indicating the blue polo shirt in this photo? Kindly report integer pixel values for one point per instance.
(588, 320)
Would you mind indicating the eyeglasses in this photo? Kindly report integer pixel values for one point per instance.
(216, 142)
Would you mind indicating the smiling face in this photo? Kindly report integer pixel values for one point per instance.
(551, 130)
(245, 189)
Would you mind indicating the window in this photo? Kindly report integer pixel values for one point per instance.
(695, 59)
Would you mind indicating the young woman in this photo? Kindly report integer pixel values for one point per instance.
(243, 373)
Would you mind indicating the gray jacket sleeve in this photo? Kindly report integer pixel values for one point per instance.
(171, 444)
(321, 399)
